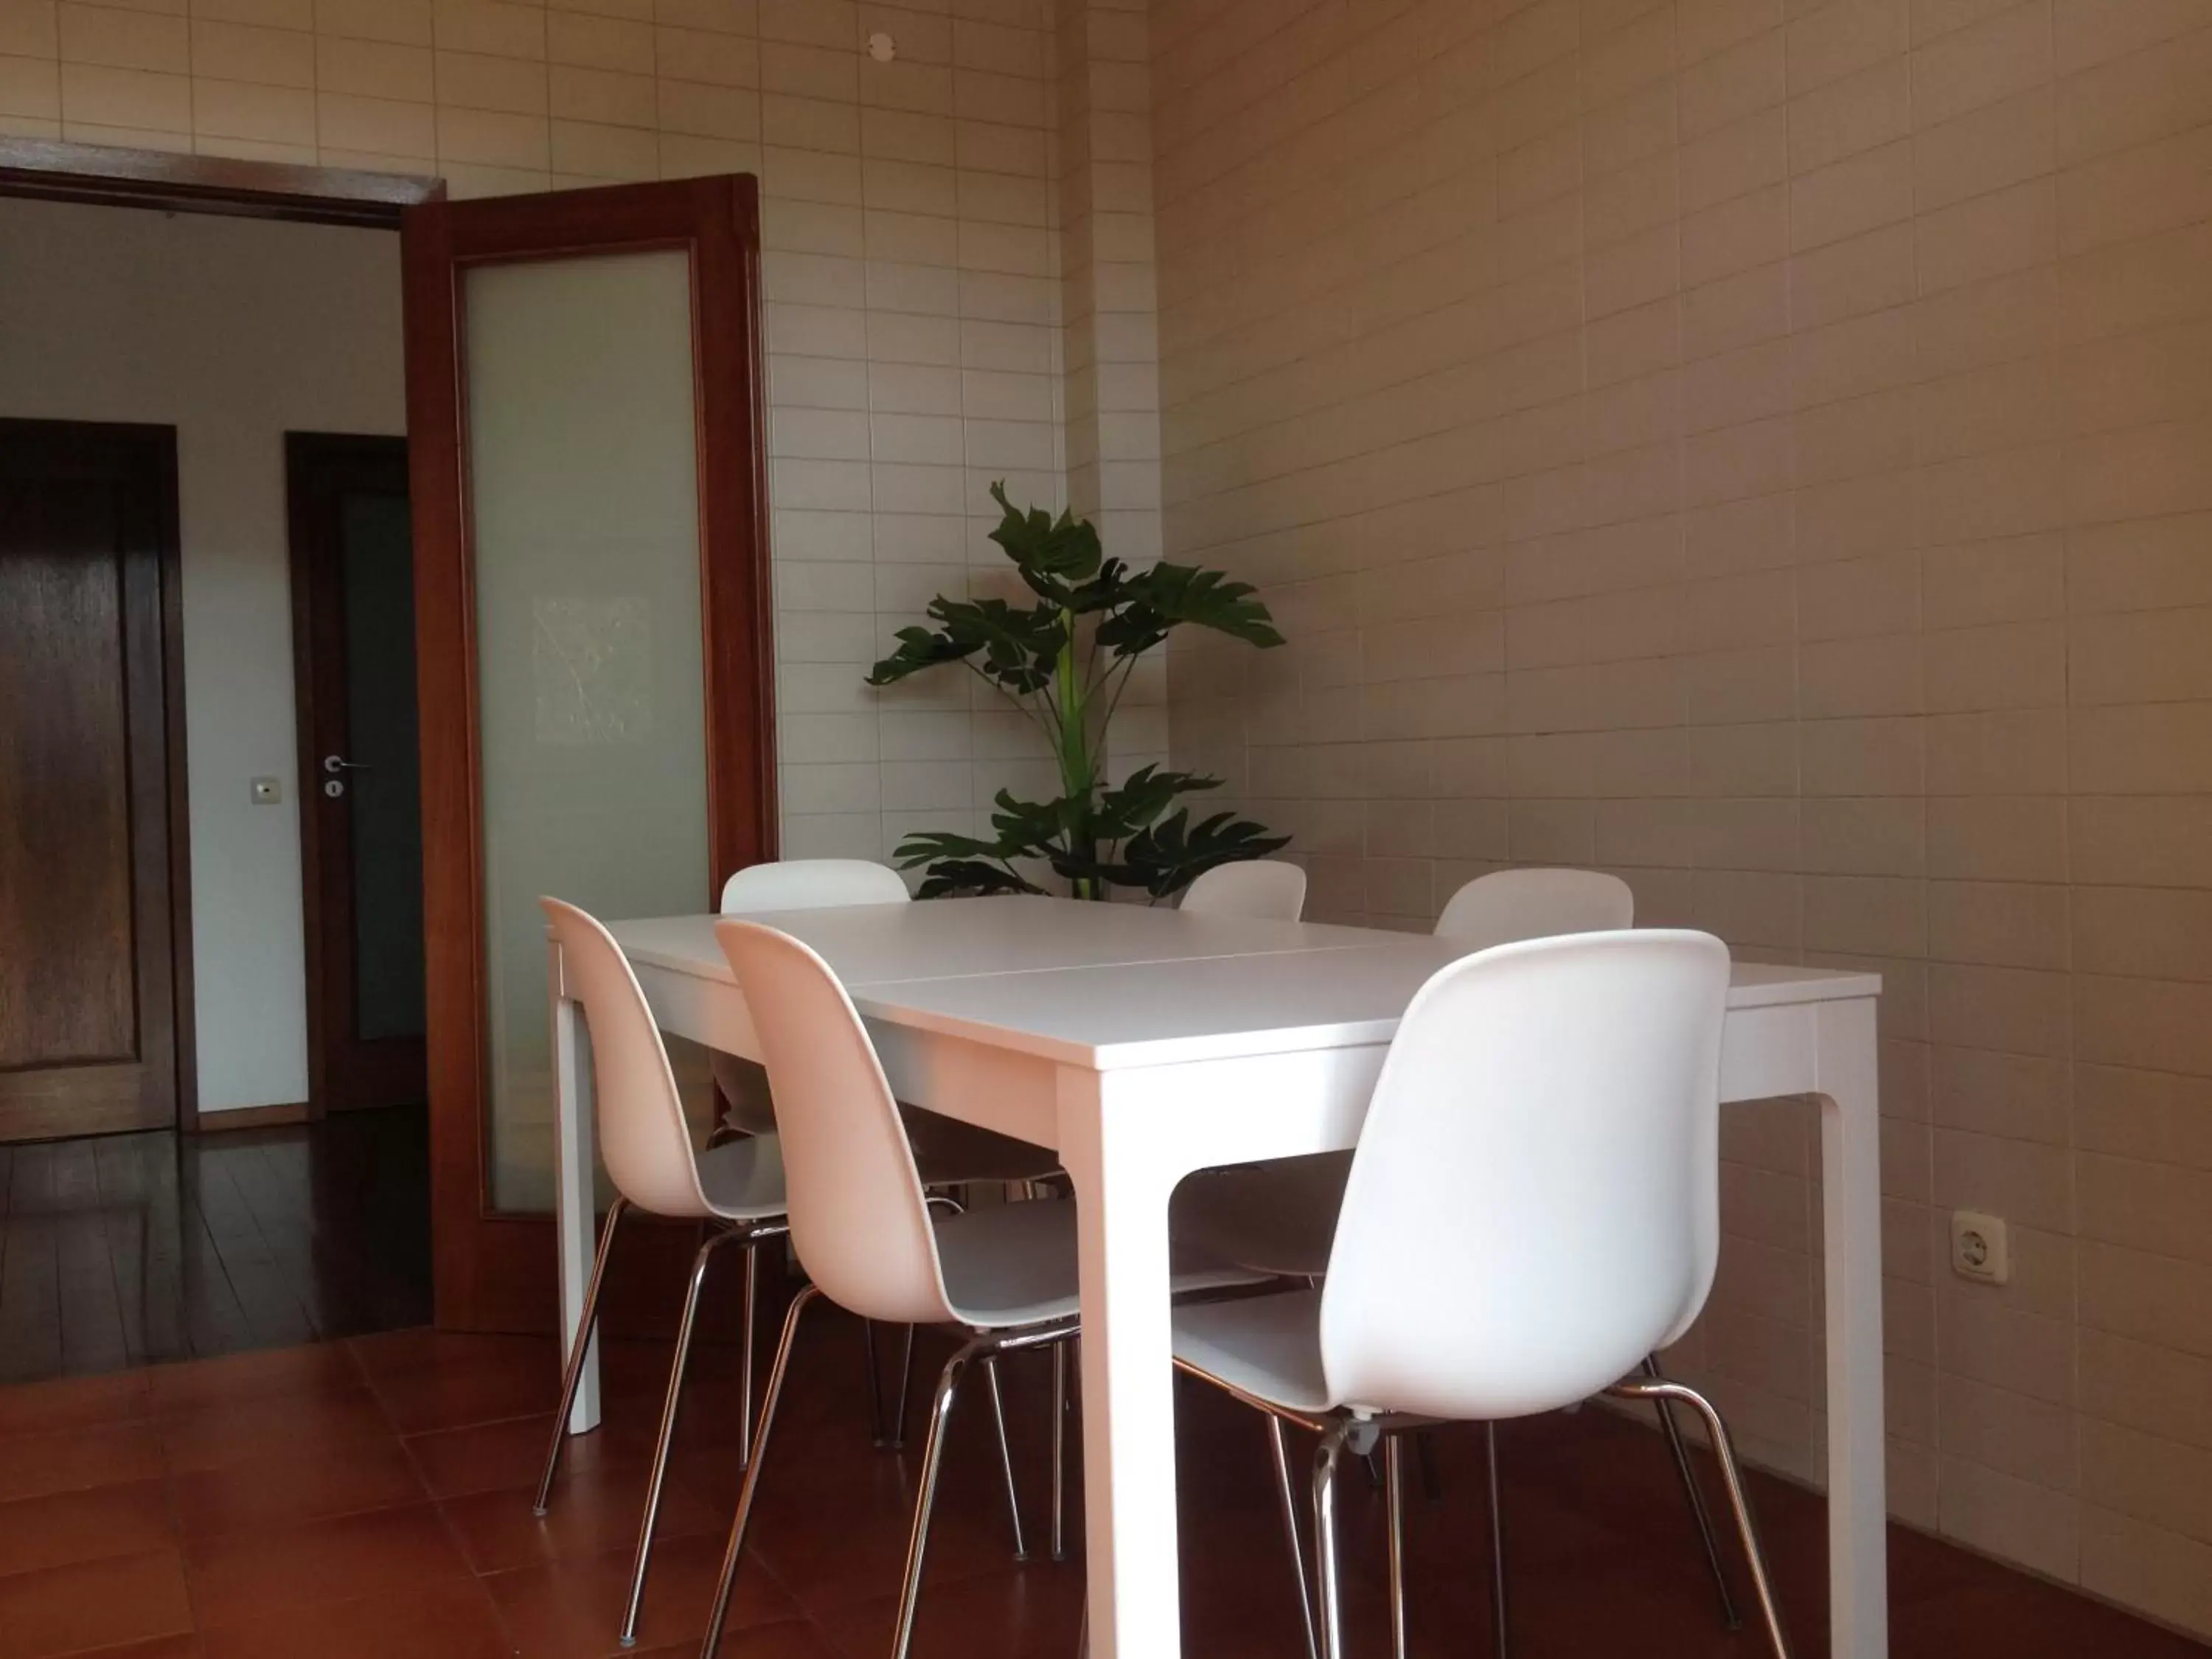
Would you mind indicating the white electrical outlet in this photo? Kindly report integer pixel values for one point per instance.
(1978, 1248)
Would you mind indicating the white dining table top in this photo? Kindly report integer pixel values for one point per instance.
(1109, 986)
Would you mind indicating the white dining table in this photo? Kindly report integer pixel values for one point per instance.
(1142, 1044)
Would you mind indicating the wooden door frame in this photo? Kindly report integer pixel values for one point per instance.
(495, 1270)
(114, 177)
(312, 559)
(157, 448)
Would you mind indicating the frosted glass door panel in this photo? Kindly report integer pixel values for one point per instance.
(583, 504)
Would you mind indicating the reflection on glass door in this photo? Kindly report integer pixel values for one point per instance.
(583, 475)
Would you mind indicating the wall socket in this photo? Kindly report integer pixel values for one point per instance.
(1978, 1248)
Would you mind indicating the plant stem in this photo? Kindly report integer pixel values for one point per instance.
(1079, 767)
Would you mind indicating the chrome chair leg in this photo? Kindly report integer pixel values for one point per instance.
(719, 1612)
(1059, 1451)
(932, 1457)
(1330, 1593)
(657, 1482)
(1006, 1456)
(1691, 1490)
(746, 1357)
(1739, 1499)
(573, 1372)
(1278, 1448)
(1393, 1486)
(1498, 1603)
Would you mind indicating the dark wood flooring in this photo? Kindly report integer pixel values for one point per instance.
(370, 1498)
(120, 1250)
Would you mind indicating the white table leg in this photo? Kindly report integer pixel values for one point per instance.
(1851, 1164)
(573, 1206)
(1128, 1379)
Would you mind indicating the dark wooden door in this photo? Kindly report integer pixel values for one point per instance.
(361, 828)
(494, 1249)
(91, 819)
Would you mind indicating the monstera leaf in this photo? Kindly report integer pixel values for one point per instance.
(1049, 553)
(1156, 600)
(1064, 662)
(1173, 853)
(1019, 647)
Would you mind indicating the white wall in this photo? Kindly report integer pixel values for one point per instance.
(235, 331)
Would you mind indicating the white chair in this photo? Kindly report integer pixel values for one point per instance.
(736, 1187)
(1278, 1217)
(1281, 1217)
(1533, 1208)
(950, 1154)
(1507, 905)
(1003, 1277)
(1270, 889)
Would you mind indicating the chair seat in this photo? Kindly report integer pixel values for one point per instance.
(1010, 1265)
(1277, 1217)
(1266, 1346)
(742, 1180)
(949, 1154)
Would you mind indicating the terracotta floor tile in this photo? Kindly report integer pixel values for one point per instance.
(834, 1513)
(92, 1604)
(32, 1465)
(794, 1640)
(242, 1575)
(346, 1476)
(2013, 1617)
(509, 1455)
(424, 1347)
(278, 1562)
(1035, 1609)
(572, 1609)
(63, 1528)
(445, 1621)
(429, 1384)
(208, 1436)
(590, 1513)
(317, 1368)
(74, 1402)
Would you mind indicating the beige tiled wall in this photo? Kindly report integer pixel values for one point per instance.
(910, 265)
(1110, 309)
(1764, 448)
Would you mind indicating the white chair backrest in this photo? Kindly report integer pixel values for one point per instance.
(1507, 905)
(858, 1218)
(1534, 1203)
(1273, 890)
(643, 1138)
(791, 884)
(810, 885)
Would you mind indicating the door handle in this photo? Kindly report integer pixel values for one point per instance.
(336, 763)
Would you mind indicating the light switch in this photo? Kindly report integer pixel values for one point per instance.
(268, 792)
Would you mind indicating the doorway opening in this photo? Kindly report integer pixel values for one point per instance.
(360, 802)
(176, 1178)
(590, 619)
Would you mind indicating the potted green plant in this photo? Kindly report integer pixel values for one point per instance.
(1065, 662)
